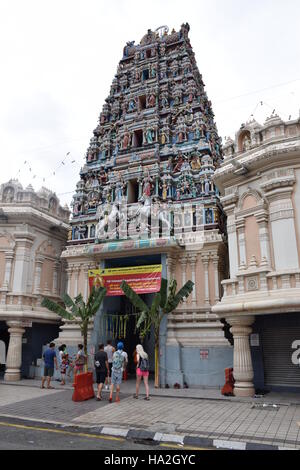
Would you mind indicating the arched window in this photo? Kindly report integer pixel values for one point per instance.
(244, 141)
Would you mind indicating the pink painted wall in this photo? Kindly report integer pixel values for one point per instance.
(252, 239)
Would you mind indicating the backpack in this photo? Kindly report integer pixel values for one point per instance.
(118, 360)
(144, 365)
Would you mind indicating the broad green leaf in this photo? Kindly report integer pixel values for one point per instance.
(56, 308)
(181, 294)
(134, 298)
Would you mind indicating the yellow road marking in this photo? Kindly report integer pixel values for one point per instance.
(58, 431)
(183, 447)
(93, 436)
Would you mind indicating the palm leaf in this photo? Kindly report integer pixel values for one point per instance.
(142, 318)
(134, 298)
(183, 292)
(56, 308)
(71, 304)
(68, 301)
(155, 304)
(98, 299)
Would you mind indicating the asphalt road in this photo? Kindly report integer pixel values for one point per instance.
(28, 437)
(23, 435)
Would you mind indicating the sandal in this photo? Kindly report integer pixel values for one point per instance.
(99, 399)
(135, 396)
(147, 398)
(50, 387)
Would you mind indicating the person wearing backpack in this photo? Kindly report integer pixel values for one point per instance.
(119, 363)
(142, 370)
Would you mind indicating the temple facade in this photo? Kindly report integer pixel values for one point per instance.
(33, 233)
(260, 184)
(146, 197)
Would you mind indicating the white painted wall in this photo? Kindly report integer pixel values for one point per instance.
(284, 244)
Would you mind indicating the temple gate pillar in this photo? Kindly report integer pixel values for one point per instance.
(14, 353)
(242, 361)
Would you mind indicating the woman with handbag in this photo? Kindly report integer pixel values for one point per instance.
(142, 370)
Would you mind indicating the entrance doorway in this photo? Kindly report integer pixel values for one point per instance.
(132, 338)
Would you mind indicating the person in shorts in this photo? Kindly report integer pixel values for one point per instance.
(50, 360)
(119, 363)
(102, 369)
(142, 370)
(109, 349)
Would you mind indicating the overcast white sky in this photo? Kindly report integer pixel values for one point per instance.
(58, 59)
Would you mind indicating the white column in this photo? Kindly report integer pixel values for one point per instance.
(37, 276)
(24, 243)
(86, 281)
(69, 275)
(193, 260)
(76, 272)
(14, 353)
(205, 261)
(171, 263)
(242, 243)
(9, 256)
(242, 361)
(264, 238)
(215, 260)
(183, 262)
(56, 269)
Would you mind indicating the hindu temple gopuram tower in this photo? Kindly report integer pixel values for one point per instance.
(146, 197)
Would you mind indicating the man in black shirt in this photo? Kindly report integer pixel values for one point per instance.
(102, 369)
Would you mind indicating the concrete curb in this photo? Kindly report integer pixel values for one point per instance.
(155, 438)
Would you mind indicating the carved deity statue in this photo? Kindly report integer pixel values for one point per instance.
(147, 185)
(195, 163)
(151, 100)
(126, 139)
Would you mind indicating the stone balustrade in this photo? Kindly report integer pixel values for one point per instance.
(261, 281)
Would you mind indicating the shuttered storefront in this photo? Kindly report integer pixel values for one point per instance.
(278, 334)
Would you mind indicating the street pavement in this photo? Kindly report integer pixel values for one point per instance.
(200, 413)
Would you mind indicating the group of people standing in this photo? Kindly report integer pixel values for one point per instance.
(66, 364)
(110, 364)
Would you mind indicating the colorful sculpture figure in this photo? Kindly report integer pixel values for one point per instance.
(151, 101)
(179, 163)
(147, 185)
(150, 136)
(126, 139)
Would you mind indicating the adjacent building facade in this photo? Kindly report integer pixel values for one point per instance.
(260, 185)
(33, 233)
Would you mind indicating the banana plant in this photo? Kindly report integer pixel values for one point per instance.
(78, 310)
(164, 302)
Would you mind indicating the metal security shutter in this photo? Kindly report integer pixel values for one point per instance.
(277, 354)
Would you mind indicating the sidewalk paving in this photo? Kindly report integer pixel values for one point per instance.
(201, 413)
(128, 387)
